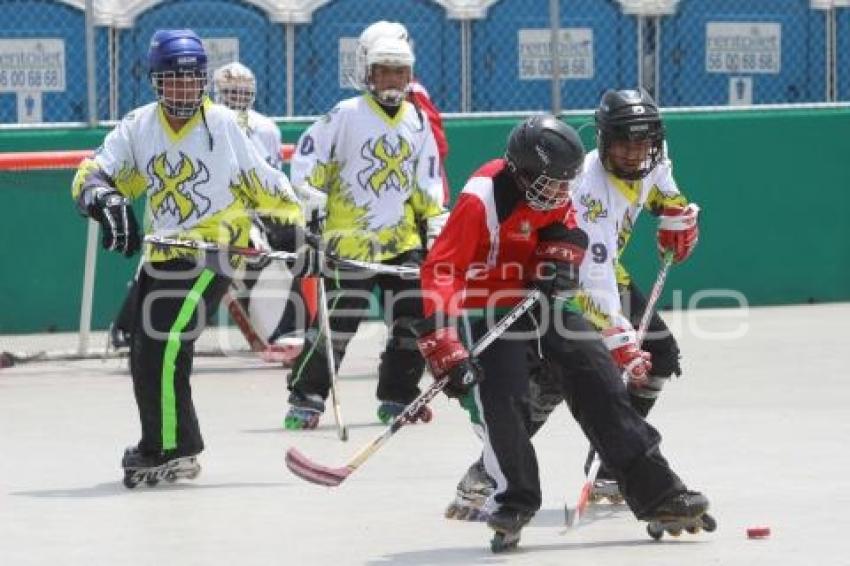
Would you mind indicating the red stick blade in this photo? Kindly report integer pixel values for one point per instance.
(576, 514)
(312, 472)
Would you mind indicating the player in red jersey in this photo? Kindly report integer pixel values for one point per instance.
(513, 229)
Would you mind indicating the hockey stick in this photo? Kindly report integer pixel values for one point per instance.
(380, 268)
(270, 353)
(313, 472)
(578, 511)
(325, 326)
(237, 312)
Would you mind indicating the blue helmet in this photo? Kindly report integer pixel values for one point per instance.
(178, 54)
(176, 50)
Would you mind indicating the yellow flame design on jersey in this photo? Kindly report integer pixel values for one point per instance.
(325, 176)
(593, 208)
(591, 310)
(172, 179)
(391, 166)
(657, 201)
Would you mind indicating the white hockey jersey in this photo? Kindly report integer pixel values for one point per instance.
(264, 133)
(607, 209)
(381, 175)
(201, 182)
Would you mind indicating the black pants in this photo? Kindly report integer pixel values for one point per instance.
(349, 297)
(174, 301)
(591, 384)
(499, 409)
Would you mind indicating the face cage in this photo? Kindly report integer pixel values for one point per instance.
(547, 193)
(388, 96)
(236, 98)
(187, 96)
(656, 151)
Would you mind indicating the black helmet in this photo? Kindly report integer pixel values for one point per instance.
(543, 151)
(629, 115)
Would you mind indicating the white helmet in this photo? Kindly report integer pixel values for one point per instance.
(367, 37)
(392, 52)
(234, 86)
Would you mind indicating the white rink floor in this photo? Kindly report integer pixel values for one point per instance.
(760, 423)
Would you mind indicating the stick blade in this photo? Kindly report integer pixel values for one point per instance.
(312, 472)
(574, 515)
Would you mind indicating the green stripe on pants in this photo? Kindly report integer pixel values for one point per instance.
(172, 349)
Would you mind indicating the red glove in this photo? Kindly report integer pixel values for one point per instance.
(678, 231)
(447, 356)
(622, 344)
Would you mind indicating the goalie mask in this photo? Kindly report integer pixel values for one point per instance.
(177, 65)
(630, 134)
(544, 155)
(234, 86)
(390, 83)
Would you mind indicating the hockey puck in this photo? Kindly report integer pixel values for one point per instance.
(6, 360)
(758, 532)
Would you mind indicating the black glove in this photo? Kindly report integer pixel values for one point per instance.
(558, 255)
(281, 237)
(447, 357)
(292, 238)
(117, 221)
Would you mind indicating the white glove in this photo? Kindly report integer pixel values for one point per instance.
(434, 226)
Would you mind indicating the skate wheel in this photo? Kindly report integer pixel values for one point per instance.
(194, 473)
(594, 498)
(295, 423)
(709, 524)
(451, 511)
(616, 500)
(674, 532)
(693, 530)
(151, 482)
(655, 531)
(128, 482)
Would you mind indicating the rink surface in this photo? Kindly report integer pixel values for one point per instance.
(760, 423)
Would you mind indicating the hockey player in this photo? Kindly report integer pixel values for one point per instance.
(235, 86)
(375, 158)
(201, 176)
(628, 171)
(513, 226)
(417, 94)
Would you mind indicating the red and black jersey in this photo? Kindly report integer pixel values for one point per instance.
(484, 255)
